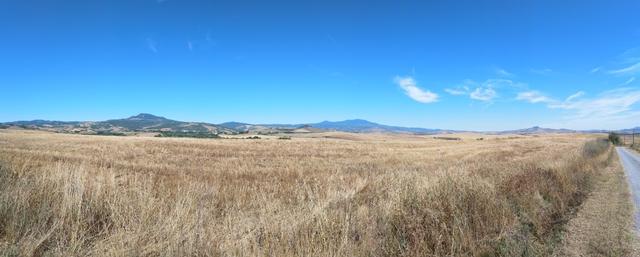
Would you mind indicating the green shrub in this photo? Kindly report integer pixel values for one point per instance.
(614, 138)
(187, 134)
(109, 133)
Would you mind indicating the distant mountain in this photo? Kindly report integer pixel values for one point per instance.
(537, 130)
(241, 127)
(42, 123)
(629, 131)
(359, 125)
(139, 123)
(235, 125)
(145, 122)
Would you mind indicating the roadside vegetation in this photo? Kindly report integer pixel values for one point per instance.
(614, 138)
(604, 224)
(70, 195)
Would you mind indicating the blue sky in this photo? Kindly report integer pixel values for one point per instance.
(481, 65)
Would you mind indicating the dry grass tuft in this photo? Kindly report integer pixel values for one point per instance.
(65, 195)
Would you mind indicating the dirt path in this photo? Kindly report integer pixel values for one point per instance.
(631, 162)
(604, 224)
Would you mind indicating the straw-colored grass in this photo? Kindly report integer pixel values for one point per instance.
(338, 195)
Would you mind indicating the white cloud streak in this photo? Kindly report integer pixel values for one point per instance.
(411, 89)
(629, 81)
(486, 91)
(533, 97)
(152, 45)
(613, 106)
(483, 94)
(190, 46)
(457, 91)
(574, 96)
(607, 105)
(503, 73)
(545, 71)
(633, 69)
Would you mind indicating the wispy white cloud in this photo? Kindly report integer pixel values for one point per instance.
(483, 94)
(503, 83)
(630, 62)
(533, 97)
(190, 45)
(596, 69)
(457, 91)
(574, 96)
(152, 45)
(545, 71)
(629, 70)
(504, 73)
(201, 43)
(606, 105)
(331, 39)
(411, 89)
(486, 91)
(609, 106)
(629, 81)
(630, 56)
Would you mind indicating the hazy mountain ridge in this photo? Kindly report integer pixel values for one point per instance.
(538, 130)
(139, 123)
(145, 122)
(359, 125)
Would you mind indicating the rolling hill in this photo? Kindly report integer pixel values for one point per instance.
(359, 125)
(139, 123)
(145, 122)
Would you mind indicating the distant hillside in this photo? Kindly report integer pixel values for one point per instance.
(629, 131)
(235, 125)
(145, 122)
(358, 125)
(140, 123)
(537, 130)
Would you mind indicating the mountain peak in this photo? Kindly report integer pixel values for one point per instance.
(146, 116)
(358, 120)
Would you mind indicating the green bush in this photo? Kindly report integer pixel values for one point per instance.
(614, 138)
(109, 133)
(187, 134)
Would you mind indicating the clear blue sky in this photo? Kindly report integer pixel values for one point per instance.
(482, 65)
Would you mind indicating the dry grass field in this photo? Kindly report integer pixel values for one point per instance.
(335, 194)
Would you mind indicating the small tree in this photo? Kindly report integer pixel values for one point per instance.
(614, 138)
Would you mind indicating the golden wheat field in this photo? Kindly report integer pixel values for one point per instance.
(332, 194)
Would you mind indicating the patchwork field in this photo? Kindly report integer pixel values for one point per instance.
(331, 194)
